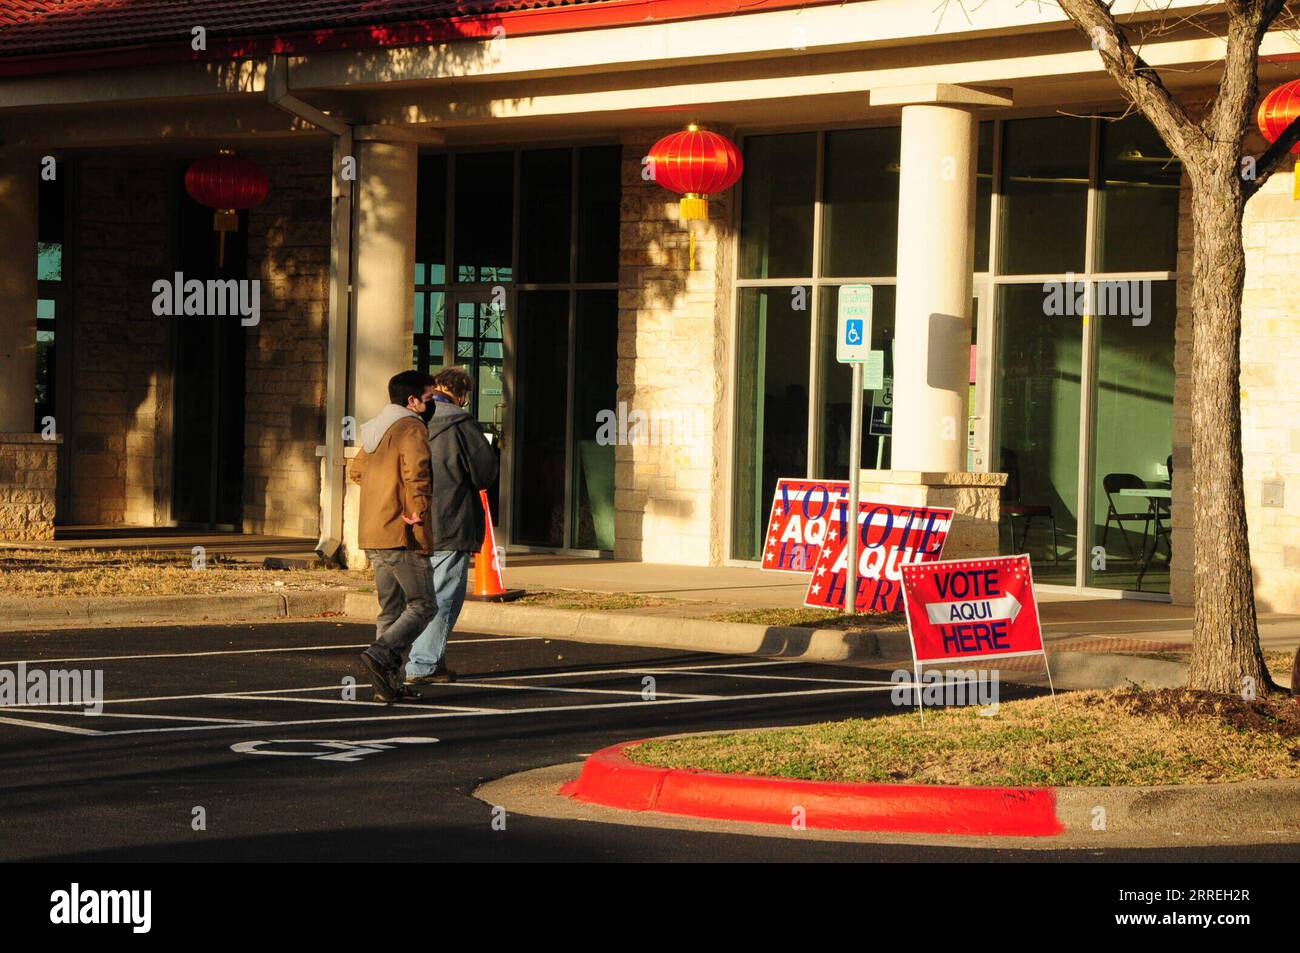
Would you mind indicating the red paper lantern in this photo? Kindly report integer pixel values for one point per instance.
(1276, 111)
(227, 183)
(697, 163)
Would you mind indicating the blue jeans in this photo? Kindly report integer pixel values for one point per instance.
(450, 571)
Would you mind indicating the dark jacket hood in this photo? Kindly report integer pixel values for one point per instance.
(445, 416)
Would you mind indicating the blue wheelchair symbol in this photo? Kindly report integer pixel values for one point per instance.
(853, 332)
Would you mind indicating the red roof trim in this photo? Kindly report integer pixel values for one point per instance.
(410, 33)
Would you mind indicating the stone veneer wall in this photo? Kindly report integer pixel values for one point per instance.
(1270, 394)
(121, 453)
(673, 325)
(284, 401)
(28, 482)
(1270, 390)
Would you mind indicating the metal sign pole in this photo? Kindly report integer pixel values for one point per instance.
(855, 466)
(853, 347)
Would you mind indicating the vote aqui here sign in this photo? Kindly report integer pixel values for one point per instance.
(798, 522)
(972, 609)
(889, 537)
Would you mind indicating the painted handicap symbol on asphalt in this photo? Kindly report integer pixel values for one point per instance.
(348, 751)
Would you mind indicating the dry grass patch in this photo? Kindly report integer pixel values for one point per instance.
(1123, 737)
(805, 618)
(1279, 665)
(47, 573)
(584, 599)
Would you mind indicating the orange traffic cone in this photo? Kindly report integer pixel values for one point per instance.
(489, 580)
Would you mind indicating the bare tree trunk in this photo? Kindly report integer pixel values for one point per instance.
(1226, 656)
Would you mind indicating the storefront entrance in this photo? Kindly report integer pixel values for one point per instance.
(1072, 367)
(516, 280)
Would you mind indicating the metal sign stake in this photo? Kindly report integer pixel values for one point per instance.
(855, 466)
(853, 347)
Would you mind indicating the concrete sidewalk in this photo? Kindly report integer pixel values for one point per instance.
(1065, 616)
(1093, 642)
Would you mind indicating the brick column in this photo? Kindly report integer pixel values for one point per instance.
(28, 481)
(672, 369)
(18, 187)
(384, 277)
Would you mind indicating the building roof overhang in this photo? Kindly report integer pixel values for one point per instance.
(42, 37)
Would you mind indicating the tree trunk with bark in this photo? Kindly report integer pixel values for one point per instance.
(1226, 655)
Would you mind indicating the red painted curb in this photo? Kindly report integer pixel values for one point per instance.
(609, 778)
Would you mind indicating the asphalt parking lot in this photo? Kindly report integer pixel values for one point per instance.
(267, 735)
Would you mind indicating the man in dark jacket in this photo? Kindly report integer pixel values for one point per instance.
(463, 463)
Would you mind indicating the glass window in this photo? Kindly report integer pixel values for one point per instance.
(1044, 195)
(431, 222)
(430, 321)
(1137, 199)
(45, 312)
(777, 206)
(49, 261)
(772, 411)
(1040, 364)
(860, 206)
(485, 195)
(600, 191)
(1133, 437)
(479, 335)
(983, 195)
(595, 390)
(541, 381)
(836, 396)
(545, 215)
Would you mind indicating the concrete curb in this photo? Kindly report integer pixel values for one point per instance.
(1070, 670)
(610, 779)
(135, 610)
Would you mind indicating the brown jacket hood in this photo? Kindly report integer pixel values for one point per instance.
(393, 469)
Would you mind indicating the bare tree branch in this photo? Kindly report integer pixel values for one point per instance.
(1271, 159)
(1138, 79)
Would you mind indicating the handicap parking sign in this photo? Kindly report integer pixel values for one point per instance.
(853, 342)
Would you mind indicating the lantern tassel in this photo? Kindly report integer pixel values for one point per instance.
(1295, 177)
(690, 231)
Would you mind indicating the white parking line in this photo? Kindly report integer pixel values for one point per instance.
(639, 670)
(434, 710)
(489, 712)
(266, 651)
(66, 729)
(581, 691)
(776, 678)
(65, 710)
(342, 701)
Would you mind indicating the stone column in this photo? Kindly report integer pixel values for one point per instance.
(383, 280)
(936, 255)
(18, 189)
(936, 259)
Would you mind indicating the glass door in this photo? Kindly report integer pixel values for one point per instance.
(1039, 389)
(474, 339)
(1132, 445)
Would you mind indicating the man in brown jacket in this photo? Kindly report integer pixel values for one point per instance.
(394, 471)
